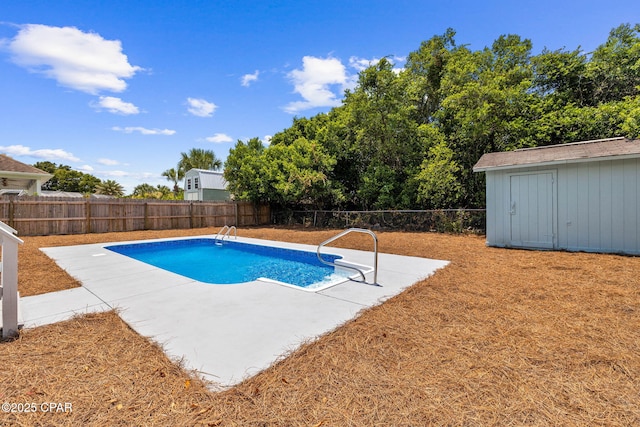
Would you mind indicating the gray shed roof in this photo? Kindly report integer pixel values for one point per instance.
(601, 149)
(208, 178)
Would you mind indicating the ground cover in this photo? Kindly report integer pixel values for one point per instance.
(499, 337)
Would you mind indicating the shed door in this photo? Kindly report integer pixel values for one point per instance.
(531, 209)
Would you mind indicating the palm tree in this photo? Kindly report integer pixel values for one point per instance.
(198, 158)
(148, 191)
(110, 188)
(174, 175)
(143, 191)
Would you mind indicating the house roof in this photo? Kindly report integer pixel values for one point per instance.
(17, 175)
(7, 164)
(600, 149)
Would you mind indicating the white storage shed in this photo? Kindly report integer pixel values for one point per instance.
(202, 184)
(582, 196)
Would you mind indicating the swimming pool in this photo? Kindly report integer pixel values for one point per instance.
(208, 261)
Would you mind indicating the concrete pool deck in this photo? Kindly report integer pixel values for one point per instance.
(227, 333)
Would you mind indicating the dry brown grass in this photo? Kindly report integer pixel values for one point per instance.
(499, 337)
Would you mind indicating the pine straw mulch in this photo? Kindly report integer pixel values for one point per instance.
(499, 337)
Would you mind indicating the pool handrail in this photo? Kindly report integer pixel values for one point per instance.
(235, 232)
(226, 230)
(375, 253)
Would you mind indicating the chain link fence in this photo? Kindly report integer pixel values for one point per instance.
(441, 220)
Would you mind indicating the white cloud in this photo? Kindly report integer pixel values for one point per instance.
(313, 82)
(116, 174)
(266, 140)
(75, 59)
(361, 64)
(116, 106)
(44, 153)
(200, 107)
(139, 176)
(219, 138)
(144, 131)
(247, 79)
(108, 162)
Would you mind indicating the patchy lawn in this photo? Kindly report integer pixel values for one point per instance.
(499, 337)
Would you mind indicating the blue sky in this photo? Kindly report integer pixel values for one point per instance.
(119, 89)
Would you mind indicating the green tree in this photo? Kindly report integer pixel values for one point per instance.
(141, 191)
(244, 173)
(110, 188)
(437, 181)
(175, 175)
(386, 141)
(148, 191)
(614, 69)
(560, 77)
(46, 166)
(298, 174)
(487, 106)
(424, 69)
(66, 179)
(295, 174)
(410, 138)
(198, 158)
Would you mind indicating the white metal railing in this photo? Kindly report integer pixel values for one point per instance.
(375, 253)
(226, 230)
(9, 281)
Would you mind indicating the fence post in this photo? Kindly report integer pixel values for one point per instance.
(87, 213)
(11, 213)
(235, 209)
(255, 213)
(146, 215)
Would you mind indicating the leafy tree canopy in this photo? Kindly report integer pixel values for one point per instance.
(148, 191)
(110, 188)
(409, 138)
(198, 158)
(66, 179)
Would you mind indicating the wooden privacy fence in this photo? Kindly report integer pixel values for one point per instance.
(40, 216)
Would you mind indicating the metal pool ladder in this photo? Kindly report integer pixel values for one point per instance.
(226, 230)
(375, 254)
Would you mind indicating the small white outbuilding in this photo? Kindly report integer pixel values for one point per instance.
(202, 184)
(583, 196)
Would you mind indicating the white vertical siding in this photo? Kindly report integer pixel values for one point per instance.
(592, 228)
(494, 221)
(581, 220)
(631, 209)
(597, 207)
(617, 206)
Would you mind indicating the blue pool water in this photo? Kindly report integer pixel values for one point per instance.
(233, 262)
